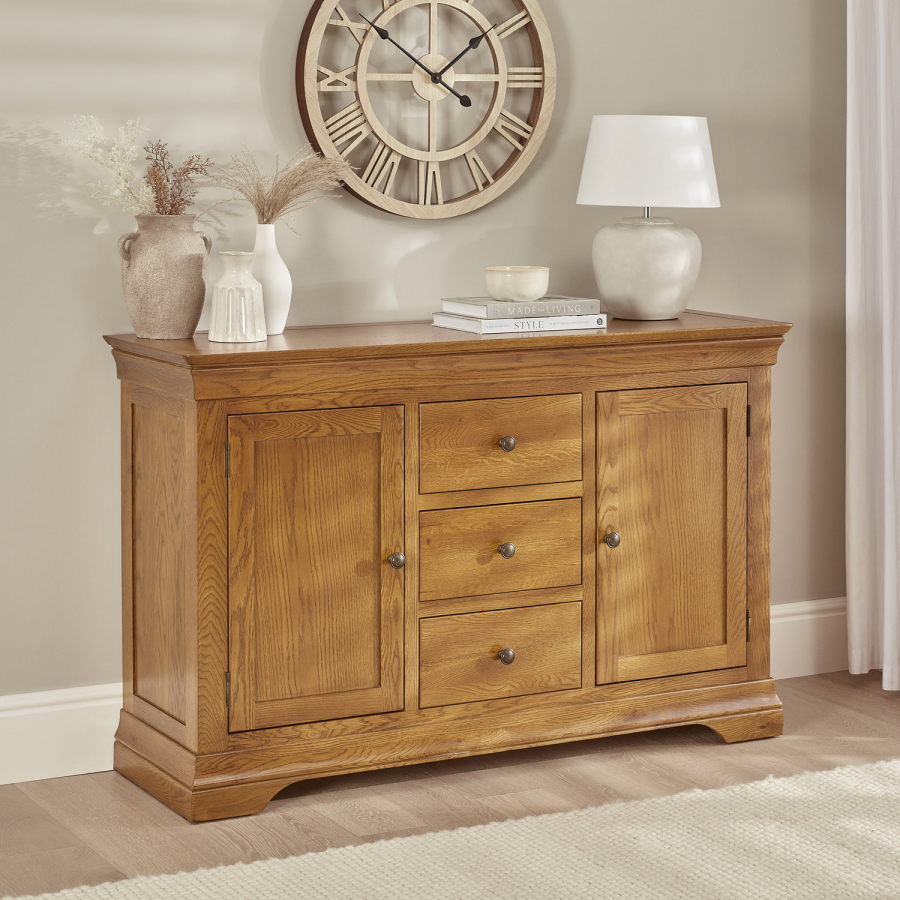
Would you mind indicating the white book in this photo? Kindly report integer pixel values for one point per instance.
(523, 325)
(551, 305)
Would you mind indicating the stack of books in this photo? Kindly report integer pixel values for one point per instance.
(483, 315)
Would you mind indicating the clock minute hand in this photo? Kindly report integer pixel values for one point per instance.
(474, 44)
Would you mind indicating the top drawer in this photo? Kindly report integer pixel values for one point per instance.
(461, 451)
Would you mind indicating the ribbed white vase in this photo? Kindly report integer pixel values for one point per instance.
(271, 272)
(237, 305)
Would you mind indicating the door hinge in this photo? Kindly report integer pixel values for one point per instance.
(749, 621)
(228, 690)
(748, 420)
(227, 460)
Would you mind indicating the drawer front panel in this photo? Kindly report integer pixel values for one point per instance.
(459, 656)
(460, 443)
(460, 553)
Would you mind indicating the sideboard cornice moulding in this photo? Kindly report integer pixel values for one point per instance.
(331, 563)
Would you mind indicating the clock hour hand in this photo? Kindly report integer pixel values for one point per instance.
(385, 36)
(474, 44)
(435, 77)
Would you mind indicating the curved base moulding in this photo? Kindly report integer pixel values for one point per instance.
(241, 782)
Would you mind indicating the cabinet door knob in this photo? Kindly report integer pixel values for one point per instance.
(613, 540)
(507, 656)
(397, 560)
(507, 551)
(508, 443)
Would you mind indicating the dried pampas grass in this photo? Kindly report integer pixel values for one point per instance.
(274, 197)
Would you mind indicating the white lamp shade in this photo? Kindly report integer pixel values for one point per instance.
(648, 161)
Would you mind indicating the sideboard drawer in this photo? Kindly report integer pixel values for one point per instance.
(460, 656)
(461, 551)
(461, 449)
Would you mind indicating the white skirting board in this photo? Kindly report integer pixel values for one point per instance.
(809, 637)
(55, 733)
(70, 732)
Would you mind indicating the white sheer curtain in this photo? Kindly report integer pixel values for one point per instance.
(873, 337)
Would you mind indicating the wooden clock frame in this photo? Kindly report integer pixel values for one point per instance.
(356, 121)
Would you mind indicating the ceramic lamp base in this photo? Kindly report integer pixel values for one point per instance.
(646, 268)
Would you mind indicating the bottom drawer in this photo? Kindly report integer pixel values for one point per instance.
(460, 656)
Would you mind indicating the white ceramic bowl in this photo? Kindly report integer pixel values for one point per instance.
(517, 284)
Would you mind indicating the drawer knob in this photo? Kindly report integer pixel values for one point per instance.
(507, 656)
(397, 560)
(613, 540)
(508, 443)
(507, 551)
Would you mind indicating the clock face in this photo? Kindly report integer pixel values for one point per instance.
(439, 105)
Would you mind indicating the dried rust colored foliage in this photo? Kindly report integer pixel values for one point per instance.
(172, 186)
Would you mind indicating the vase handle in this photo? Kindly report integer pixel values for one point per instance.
(207, 240)
(125, 247)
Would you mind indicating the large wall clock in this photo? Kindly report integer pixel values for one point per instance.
(439, 105)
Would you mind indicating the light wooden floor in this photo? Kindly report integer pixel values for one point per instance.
(92, 828)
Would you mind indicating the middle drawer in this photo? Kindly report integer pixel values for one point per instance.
(494, 549)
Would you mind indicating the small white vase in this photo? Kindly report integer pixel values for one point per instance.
(237, 304)
(271, 272)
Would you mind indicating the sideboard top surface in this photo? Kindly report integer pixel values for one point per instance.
(393, 339)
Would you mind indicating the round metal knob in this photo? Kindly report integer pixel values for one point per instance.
(612, 540)
(507, 656)
(508, 443)
(397, 560)
(507, 551)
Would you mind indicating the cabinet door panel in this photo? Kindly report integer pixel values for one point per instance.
(316, 611)
(672, 482)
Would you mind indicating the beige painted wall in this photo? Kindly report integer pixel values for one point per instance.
(209, 75)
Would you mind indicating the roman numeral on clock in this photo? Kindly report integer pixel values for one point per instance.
(513, 129)
(357, 29)
(525, 78)
(430, 190)
(382, 169)
(479, 170)
(513, 24)
(345, 80)
(349, 127)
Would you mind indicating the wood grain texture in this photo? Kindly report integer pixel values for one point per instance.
(460, 555)
(212, 579)
(390, 340)
(161, 523)
(674, 487)
(316, 610)
(459, 655)
(497, 496)
(759, 491)
(460, 443)
(660, 385)
(521, 368)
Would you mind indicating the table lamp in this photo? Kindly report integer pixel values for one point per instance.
(646, 267)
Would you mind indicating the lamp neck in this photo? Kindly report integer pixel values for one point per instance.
(648, 212)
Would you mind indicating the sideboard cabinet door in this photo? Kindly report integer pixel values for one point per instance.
(672, 531)
(315, 510)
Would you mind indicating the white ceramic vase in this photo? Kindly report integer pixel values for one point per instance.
(237, 303)
(646, 268)
(271, 272)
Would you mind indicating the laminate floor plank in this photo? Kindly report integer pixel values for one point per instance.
(54, 870)
(26, 827)
(98, 823)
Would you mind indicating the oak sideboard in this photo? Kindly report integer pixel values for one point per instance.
(355, 547)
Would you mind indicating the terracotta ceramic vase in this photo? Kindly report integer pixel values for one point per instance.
(165, 266)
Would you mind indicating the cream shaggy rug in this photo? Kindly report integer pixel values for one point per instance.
(823, 836)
